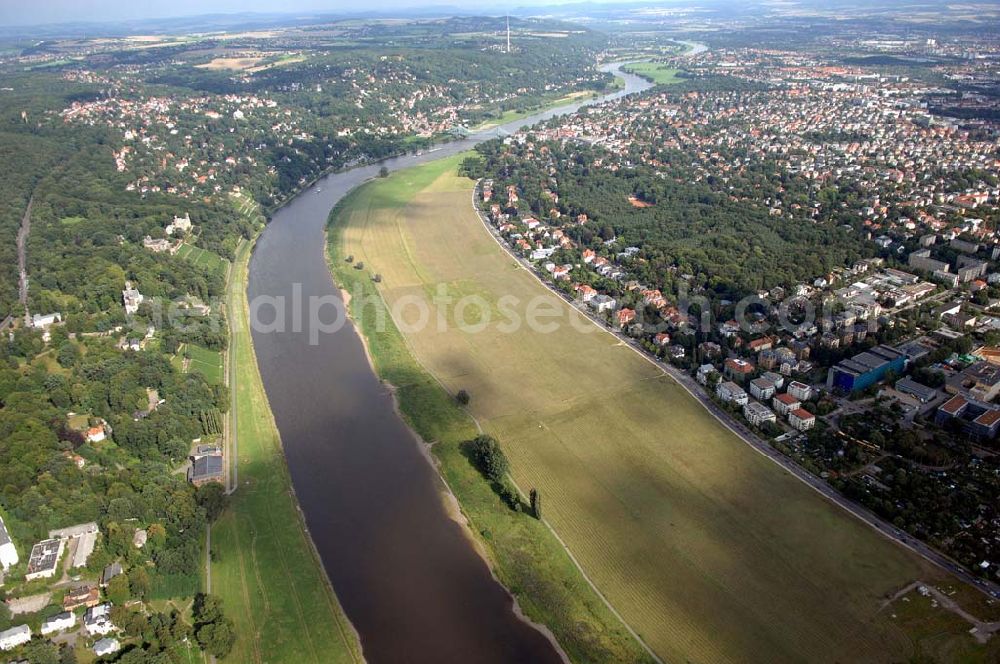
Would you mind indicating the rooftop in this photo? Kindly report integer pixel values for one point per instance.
(206, 466)
(4, 537)
(44, 556)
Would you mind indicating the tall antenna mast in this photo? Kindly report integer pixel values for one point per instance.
(508, 33)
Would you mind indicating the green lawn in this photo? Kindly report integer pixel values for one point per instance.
(206, 362)
(265, 567)
(659, 74)
(708, 549)
(203, 257)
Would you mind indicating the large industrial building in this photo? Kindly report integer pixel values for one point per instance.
(865, 369)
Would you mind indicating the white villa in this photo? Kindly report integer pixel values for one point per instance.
(8, 553)
(97, 620)
(58, 623)
(106, 647)
(182, 224)
(14, 637)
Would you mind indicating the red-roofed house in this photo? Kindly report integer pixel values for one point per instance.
(801, 419)
(737, 369)
(624, 316)
(785, 403)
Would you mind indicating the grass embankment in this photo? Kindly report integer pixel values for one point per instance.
(658, 74)
(264, 565)
(708, 549)
(525, 556)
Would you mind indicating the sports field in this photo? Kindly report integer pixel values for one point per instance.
(264, 566)
(656, 73)
(203, 257)
(710, 551)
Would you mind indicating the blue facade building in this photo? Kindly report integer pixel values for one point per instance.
(865, 369)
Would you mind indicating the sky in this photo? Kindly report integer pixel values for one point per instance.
(32, 12)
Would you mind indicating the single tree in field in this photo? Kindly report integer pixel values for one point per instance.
(489, 458)
(383, 172)
(462, 397)
(536, 504)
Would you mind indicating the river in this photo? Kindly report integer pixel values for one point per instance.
(406, 574)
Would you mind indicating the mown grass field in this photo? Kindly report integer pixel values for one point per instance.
(710, 551)
(659, 74)
(203, 257)
(206, 362)
(264, 566)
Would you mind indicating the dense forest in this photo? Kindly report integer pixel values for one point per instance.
(85, 243)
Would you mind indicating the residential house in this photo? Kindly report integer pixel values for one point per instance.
(206, 469)
(785, 403)
(132, 298)
(776, 379)
(14, 637)
(106, 646)
(179, 225)
(601, 303)
(799, 390)
(757, 413)
(58, 623)
(737, 369)
(801, 419)
(97, 620)
(586, 292)
(729, 391)
(45, 321)
(761, 388)
(110, 572)
(85, 595)
(8, 552)
(44, 559)
(705, 371)
(624, 316)
(922, 260)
